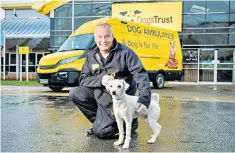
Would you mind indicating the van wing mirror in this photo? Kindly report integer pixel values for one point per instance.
(53, 50)
(92, 46)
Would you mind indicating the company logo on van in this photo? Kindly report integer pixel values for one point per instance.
(165, 14)
(135, 16)
(130, 15)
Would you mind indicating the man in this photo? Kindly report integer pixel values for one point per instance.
(106, 60)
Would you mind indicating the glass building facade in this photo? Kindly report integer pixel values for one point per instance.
(207, 36)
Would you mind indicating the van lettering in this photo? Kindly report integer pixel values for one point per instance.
(159, 34)
(133, 29)
(158, 19)
(145, 20)
(132, 44)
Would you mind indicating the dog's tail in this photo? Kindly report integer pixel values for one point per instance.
(155, 97)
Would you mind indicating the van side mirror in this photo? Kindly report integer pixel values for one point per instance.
(93, 45)
(53, 50)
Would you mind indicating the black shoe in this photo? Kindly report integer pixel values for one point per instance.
(90, 132)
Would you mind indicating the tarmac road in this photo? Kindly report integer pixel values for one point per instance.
(37, 120)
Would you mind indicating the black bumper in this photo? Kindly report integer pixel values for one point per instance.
(62, 78)
(173, 75)
(169, 75)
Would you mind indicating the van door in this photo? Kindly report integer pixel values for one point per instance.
(126, 34)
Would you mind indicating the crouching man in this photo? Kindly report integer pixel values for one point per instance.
(106, 60)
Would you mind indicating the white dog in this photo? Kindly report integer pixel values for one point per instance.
(124, 109)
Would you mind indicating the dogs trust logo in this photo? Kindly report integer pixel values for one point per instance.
(130, 15)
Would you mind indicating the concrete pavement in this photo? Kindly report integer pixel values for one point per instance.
(34, 123)
(215, 93)
(193, 118)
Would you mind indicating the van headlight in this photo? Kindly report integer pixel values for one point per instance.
(68, 60)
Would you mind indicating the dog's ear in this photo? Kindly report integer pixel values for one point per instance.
(125, 85)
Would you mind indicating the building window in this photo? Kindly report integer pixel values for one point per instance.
(57, 41)
(205, 39)
(225, 56)
(206, 30)
(194, 6)
(101, 9)
(232, 6)
(190, 56)
(217, 18)
(12, 59)
(64, 11)
(224, 75)
(82, 10)
(12, 62)
(61, 23)
(60, 32)
(38, 57)
(215, 24)
(80, 21)
(232, 17)
(190, 65)
(232, 39)
(33, 62)
(193, 20)
(218, 6)
(1, 60)
(232, 34)
(7, 59)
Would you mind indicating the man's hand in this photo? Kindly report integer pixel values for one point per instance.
(106, 79)
(141, 109)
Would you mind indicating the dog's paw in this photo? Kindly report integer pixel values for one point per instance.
(125, 146)
(153, 139)
(117, 143)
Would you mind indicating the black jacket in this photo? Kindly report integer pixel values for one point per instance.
(124, 63)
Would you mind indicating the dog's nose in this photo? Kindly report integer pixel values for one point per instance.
(114, 92)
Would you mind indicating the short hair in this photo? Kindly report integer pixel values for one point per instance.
(106, 25)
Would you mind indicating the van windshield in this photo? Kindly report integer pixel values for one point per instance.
(80, 42)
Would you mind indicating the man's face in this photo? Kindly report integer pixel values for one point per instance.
(103, 38)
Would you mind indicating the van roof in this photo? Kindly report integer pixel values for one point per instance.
(89, 27)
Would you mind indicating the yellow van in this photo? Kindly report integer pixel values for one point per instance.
(159, 50)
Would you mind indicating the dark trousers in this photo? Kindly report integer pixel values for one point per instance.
(84, 99)
(88, 99)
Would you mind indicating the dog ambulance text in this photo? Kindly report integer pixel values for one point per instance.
(150, 32)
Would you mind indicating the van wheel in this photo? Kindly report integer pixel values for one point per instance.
(159, 81)
(56, 89)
